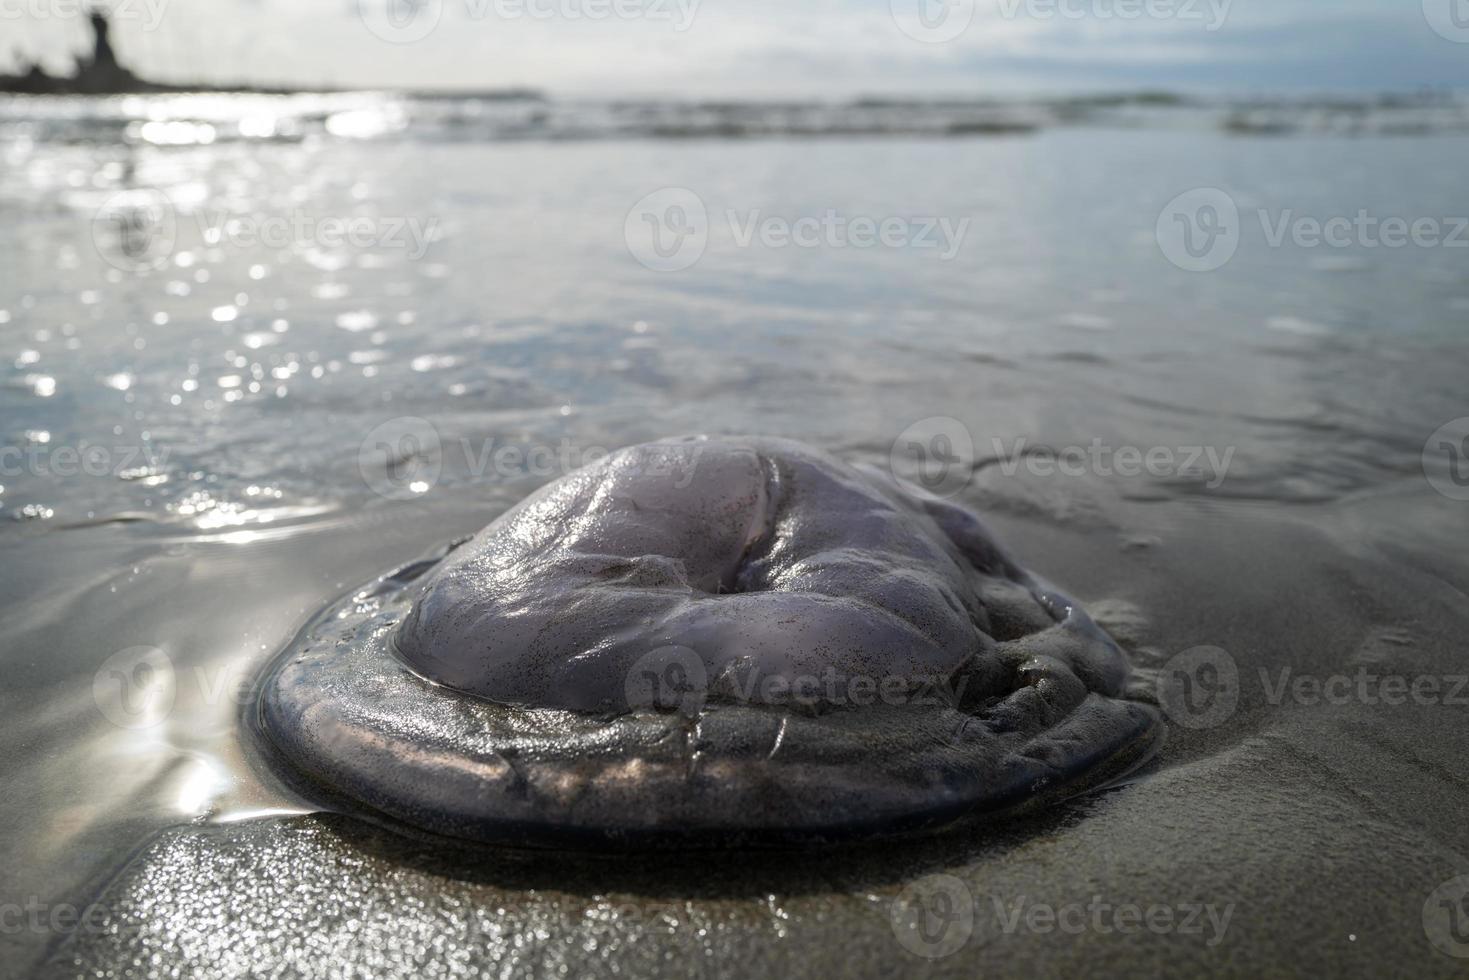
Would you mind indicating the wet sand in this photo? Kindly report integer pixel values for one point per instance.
(1287, 838)
(234, 389)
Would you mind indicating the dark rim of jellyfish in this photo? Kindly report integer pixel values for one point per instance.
(419, 788)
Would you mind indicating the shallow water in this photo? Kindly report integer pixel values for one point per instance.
(236, 398)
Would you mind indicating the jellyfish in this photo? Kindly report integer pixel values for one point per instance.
(707, 641)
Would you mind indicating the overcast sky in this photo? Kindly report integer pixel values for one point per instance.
(770, 48)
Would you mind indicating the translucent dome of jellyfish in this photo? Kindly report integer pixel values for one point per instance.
(710, 641)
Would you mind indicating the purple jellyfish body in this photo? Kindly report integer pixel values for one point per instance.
(710, 642)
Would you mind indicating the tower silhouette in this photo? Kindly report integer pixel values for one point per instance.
(103, 57)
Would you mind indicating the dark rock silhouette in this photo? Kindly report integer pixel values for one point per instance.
(101, 74)
(104, 74)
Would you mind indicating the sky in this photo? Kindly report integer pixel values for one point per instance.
(774, 48)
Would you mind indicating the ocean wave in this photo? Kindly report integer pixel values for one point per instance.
(204, 118)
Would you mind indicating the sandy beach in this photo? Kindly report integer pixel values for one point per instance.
(1287, 837)
(1240, 473)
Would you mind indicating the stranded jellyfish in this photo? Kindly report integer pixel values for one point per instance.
(712, 641)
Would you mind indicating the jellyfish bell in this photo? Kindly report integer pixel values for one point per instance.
(712, 641)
